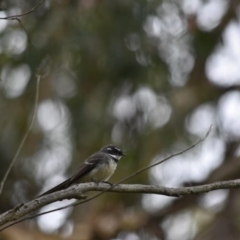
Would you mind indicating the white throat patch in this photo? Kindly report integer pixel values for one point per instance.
(115, 156)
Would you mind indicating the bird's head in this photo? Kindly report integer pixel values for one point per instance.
(114, 151)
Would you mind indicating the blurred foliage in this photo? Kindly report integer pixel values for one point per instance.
(132, 73)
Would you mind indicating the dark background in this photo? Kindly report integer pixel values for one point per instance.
(148, 76)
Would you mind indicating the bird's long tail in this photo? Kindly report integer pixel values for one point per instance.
(59, 187)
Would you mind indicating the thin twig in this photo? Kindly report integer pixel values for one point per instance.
(146, 168)
(167, 158)
(25, 30)
(15, 17)
(114, 186)
(25, 136)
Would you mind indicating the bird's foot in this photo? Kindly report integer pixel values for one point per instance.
(111, 184)
(94, 181)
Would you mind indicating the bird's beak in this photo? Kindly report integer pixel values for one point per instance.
(124, 154)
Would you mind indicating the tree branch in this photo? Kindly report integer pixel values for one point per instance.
(77, 192)
(123, 180)
(12, 215)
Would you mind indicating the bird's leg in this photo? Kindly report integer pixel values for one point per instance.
(111, 184)
(94, 181)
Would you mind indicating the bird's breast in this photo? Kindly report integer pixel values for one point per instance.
(103, 171)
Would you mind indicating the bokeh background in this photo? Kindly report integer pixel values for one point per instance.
(149, 76)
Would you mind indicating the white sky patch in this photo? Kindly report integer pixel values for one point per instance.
(51, 115)
(155, 109)
(169, 27)
(15, 79)
(181, 62)
(161, 113)
(171, 19)
(154, 202)
(229, 114)
(210, 14)
(191, 7)
(194, 165)
(55, 156)
(201, 119)
(52, 221)
(14, 42)
(145, 99)
(223, 67)
(180, 226)
(52, 161)
(124, 108)
(3, 23)
(214, 199)
(167, 22)
(153, 26)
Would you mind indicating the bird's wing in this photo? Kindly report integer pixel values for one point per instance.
(88, 166)
(83, 170)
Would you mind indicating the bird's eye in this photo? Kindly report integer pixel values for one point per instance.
(117, 149)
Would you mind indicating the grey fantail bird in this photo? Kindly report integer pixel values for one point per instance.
(99, 167)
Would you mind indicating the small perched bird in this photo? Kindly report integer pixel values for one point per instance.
(99, 167)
